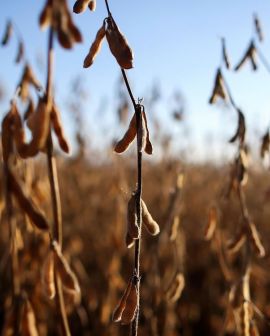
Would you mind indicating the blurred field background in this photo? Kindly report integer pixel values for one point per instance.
(96, 183)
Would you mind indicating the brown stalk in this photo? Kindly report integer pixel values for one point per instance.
(55, 195)
(138, 114)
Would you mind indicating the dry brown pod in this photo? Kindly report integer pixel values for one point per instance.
(129, 312)
(39, 123)
(47, 276)
(237, 242)
(225, 54)
(250, 55)
(80, 6)
(175, 289)
(28, 78)
(8, 33)
(255, 240)
(258, 27)
(265, 144)
(117, 314)
(92, 5)
(142, 134)
(20, 52)
(58, 129)
(129, 241)
(26, 204)
(67, 276)
(245, 318)
(118, 45)
(57, 15)
(241, 128)
(7, 136)
(45, 18)
(95, 47)
(174, 228)
(128, 137)
(219, 90)
(28, 320)
(132, 225)
(148, 146)
(150, 224)
(211, 223)
(30, 109)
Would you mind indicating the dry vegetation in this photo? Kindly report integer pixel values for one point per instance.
(79, 254)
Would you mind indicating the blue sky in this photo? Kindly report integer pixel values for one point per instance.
(175, 43)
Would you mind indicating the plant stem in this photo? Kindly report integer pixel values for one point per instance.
(55, 195)
(137, 250)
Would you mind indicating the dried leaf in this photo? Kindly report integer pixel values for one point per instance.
(118, 45)
(95, 47)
